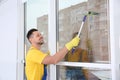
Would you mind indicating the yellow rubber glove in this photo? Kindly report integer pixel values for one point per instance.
(73, 43)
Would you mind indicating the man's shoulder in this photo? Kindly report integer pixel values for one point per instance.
(32, 51)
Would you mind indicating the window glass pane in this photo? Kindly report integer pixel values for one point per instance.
(82, 73)
(36, 16)
(94, 37)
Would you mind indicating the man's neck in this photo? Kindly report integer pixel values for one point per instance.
(36, 46)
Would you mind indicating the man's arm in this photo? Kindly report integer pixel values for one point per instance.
(61, 54)
(55, 58)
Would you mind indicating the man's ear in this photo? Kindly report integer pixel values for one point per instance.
(30, 39)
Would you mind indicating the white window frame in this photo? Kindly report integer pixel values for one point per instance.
(20, 41)
(114, 38)
(52, 36)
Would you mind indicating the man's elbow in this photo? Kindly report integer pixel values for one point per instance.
(51, 60)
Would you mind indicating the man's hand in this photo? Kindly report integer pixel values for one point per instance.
(73, 43)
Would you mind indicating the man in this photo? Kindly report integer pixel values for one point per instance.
(36, 59)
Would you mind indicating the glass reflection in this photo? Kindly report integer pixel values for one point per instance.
(77, 54)
(95, 32)
(77, 73)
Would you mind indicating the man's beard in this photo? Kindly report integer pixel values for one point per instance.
(41, 43)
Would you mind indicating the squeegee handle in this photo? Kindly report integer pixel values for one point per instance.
(84, 18)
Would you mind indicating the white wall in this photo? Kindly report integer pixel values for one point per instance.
(8, 39)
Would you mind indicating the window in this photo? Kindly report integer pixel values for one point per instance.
(95, 32)
(94, 39)
(36, 12)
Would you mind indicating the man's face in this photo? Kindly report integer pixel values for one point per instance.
(36, 38)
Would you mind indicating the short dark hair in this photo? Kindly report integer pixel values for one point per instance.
(30, 32)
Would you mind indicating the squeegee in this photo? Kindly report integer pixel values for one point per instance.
(83, 21)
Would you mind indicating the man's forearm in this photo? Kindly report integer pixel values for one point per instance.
(60, 54)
